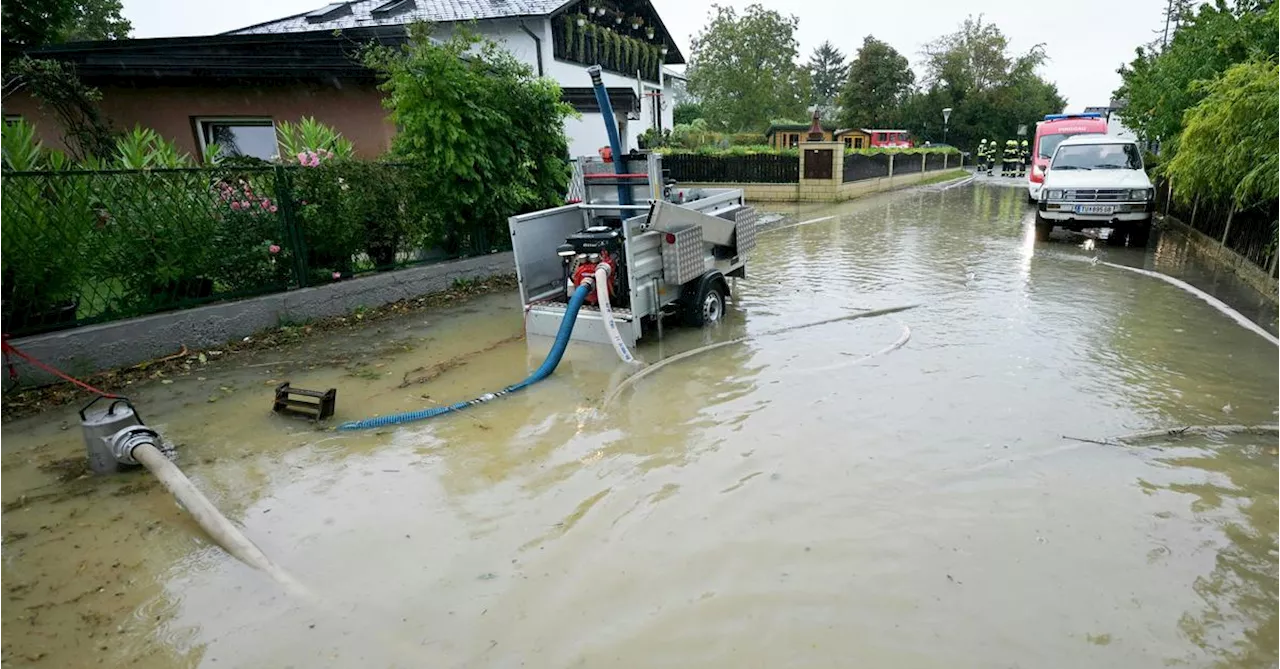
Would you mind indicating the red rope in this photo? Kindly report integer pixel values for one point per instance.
(13, 373)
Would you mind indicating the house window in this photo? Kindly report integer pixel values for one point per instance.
(253, 137)
(879, 136)
(793, 141)
(848, 142)
(857, 142)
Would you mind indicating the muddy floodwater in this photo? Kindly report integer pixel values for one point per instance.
(787, 501)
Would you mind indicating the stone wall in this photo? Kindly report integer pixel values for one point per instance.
(124, 343)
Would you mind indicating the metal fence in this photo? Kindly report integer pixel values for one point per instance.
(755, 168)
(859, 166)
(1250, 232)
(938, 161)
(83, 247)
(908, 163)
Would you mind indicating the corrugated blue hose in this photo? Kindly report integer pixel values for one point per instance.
(548, 366)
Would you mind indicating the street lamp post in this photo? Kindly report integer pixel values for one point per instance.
(946, 117)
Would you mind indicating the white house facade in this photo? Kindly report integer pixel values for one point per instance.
(557, 39)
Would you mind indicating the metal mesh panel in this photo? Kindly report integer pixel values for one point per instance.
(745, 230)
(682, 256)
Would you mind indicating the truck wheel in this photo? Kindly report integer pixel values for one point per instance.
(1139, 235)
(1043, 228)
(707, 307)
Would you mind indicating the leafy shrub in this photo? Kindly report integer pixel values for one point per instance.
(252, 254)
(44, 228)
(485, 133)
(309, 139)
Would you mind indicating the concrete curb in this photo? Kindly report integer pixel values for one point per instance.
(124, 343)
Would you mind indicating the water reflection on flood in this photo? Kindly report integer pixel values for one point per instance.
(762, 504)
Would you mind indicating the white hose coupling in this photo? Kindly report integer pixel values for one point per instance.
(122, 443)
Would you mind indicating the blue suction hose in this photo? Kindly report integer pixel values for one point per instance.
(548, 366)
(611, 127)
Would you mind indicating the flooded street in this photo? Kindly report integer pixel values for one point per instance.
(788, 501)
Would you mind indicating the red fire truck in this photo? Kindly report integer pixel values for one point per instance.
(1049, 133)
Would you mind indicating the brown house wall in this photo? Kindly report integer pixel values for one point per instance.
(354, 109)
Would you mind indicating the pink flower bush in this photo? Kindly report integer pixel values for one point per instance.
(337, 275)
(274, 249)
(235, 206)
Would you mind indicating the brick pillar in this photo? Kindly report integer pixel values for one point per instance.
(820, 182)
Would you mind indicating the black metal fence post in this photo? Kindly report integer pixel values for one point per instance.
(289, 225)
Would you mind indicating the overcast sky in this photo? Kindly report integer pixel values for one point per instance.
(1086, 40)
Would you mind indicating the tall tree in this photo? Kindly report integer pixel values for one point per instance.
(1160, 87)
(34, 23)
(743, 69)
(828, 70)
(879, 81)
(990, 90)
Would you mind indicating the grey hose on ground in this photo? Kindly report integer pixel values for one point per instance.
(1211, 300)
(650, 369)
(216, 525)
(897, 344)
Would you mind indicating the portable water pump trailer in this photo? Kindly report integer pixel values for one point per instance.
(667, 250)
(665, 257)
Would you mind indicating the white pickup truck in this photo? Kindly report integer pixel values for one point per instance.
(1097, 181)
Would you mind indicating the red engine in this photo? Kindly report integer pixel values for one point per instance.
(587, 268)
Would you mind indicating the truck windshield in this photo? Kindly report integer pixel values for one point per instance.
(1098, 157)
(1048, 143)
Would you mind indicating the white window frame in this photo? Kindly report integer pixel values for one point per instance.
(258, 121)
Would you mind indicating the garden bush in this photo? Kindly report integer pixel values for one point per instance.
(97, 240)
(479, 128)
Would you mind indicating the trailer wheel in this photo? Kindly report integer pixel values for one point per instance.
(707, 307)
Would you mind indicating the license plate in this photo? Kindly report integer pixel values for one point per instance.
(1095, 208)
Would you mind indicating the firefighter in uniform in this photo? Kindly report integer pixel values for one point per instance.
(1024, 158)
(982, 154)
(991, 157)
(1009, 159)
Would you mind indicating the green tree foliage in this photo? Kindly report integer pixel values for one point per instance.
(686, 112)
(990, 90)
(1158, 87)
(1228, 144)
(743, 69)
(86, 131)
(828, 71)
(486, 133)
(879, 81)
(34, 23)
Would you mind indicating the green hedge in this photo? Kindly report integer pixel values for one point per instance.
(87, 246)
(762, 149)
